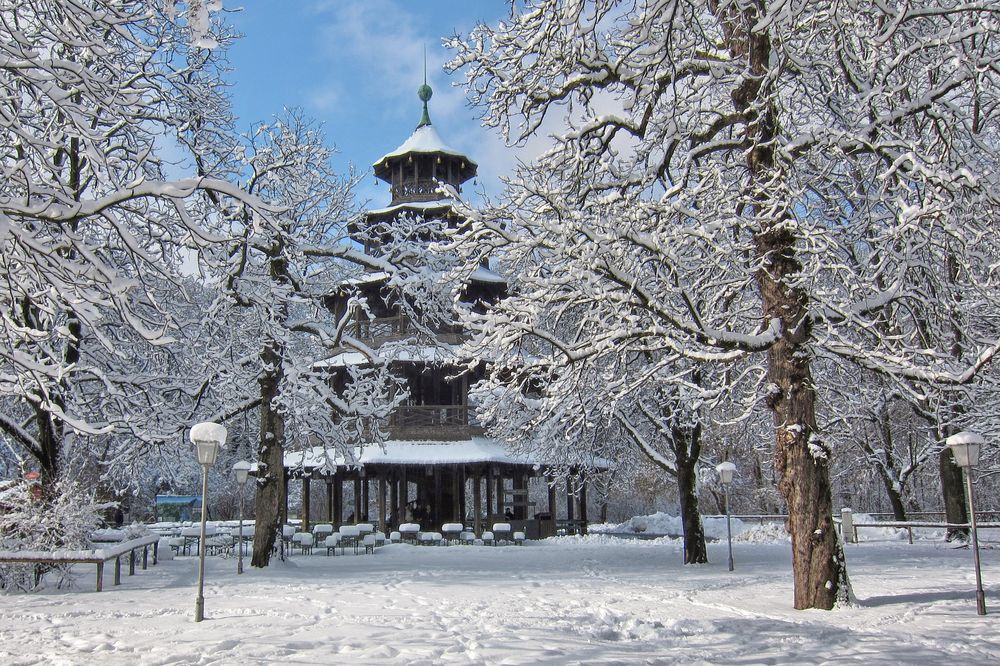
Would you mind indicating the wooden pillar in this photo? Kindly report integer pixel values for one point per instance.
(381, 504)
(489, 493)
(329, 499)
(552, 496)
(404, 495)
(394, 499)
(437, 511)
(520, 498)
(357, 500)
(365, 499)
(284, 505)
(569, 498)
(477, 505)
(583, 504)
(305, 503)
(456, 494)
(500, 497)
(338, 499)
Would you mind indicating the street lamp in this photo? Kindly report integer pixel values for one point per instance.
(242, 471)
(965, 447)
(725, 470)
(207, 438)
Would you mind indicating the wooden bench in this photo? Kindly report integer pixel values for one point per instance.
(97, 556)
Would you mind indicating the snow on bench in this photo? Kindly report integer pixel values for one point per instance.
(96, 556)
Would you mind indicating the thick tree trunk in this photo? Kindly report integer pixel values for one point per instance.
(687, 448)
(271, 454)
(895, 499)
(953, 492)
(801, 461)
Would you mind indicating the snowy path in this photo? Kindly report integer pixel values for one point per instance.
(562, 601)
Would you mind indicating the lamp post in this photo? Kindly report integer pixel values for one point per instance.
(242, 470)
(725, 470)
(965, 447)
(207, 438)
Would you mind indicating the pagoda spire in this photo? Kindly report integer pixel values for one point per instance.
(425, 93)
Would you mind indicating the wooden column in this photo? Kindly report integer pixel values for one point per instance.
(404, 495)
(284, 505)
(519, 484)
(489, 493)
(381, 504)
(357, 500)
(436, 510)
(552, 496)
(305, 503)
(329, 499)
(338, 499)
(365, 499)
(569, 498)
(394, 499)
(500, 497)
(456, 495)
(477, 505)
(583, 504)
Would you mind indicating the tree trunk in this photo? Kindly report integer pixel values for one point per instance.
(953, 492)
(801, 461)
(895, 499)
(687, 447)
(271, 453)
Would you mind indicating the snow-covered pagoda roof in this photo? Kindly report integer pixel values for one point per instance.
(405, 352)
(425, 139)
(402, 452)
(416, 206)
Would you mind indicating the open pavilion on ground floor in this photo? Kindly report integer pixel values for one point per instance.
(475, 482)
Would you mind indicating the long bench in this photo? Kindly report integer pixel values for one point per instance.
(97, 556)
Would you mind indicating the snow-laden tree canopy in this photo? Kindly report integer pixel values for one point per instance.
(739, 180)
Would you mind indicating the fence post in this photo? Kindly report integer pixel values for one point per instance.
(847, 526)
(118, 570)
(100, 575)
(131, 562)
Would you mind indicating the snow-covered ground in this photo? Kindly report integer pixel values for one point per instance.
(594, 600)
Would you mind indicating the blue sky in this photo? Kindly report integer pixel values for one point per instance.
(355, 65)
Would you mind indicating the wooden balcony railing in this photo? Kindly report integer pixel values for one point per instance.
(385, 329)
(381, 329)
(432, 416)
